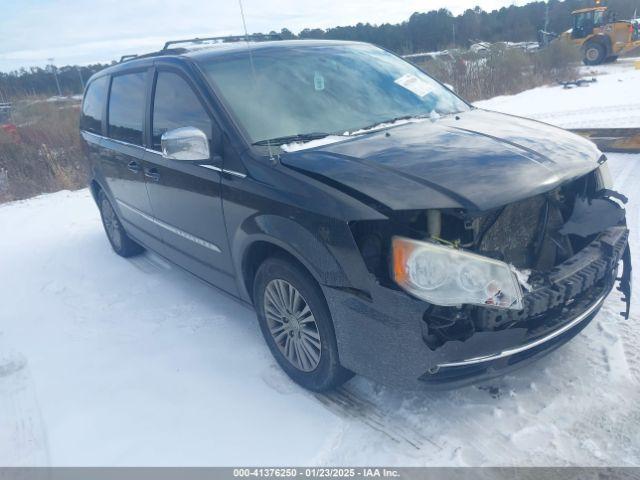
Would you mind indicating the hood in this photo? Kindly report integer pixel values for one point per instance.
(477, 160)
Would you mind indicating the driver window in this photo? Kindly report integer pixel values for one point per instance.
(176, 105)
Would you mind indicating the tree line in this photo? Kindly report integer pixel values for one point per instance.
(422, 32)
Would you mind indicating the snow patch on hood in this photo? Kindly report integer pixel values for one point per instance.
(404, 121)
(297, 146)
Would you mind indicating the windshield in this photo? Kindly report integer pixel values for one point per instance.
(316, 90)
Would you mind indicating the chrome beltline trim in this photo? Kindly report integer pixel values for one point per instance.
(212, 167)
(91, 134)
(171, 228)
(127, 144)
(528, 346)
(224, 170)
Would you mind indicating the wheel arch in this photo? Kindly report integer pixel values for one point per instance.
(95, 188)
(261, 249)
(601, 39)
(325, 247)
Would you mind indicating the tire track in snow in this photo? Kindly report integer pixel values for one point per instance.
(346, 403)
(23, 440)
(150, 263)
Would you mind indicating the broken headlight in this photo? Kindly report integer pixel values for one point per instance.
(447, 276)
(604, 180)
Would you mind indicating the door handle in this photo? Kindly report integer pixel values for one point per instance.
(152, 173)
(133, 166)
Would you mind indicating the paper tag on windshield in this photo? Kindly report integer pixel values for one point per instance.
(414, 85)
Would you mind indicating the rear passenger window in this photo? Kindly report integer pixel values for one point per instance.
(176, 105)
(92, 105)
(126, 107)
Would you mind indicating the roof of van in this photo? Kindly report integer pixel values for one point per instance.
(203, 52)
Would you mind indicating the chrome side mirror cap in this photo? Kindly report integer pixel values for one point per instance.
(186, 144)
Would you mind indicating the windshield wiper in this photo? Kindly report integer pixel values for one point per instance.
(391, 120)
(300, 137)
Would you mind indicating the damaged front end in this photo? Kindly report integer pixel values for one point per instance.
(563, 247)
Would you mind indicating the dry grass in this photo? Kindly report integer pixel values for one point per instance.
(45, 155)
(505, 71)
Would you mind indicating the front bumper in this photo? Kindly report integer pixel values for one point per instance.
(383, 337)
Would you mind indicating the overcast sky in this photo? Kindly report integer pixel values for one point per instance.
(86, 31)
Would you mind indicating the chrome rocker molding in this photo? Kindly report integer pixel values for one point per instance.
(171, 228)
(512, 351)
(210, 167)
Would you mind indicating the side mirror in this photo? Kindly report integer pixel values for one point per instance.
(186, 143)
(449, 86)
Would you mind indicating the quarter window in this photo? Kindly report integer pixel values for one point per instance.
(126, 107)
(93, 104)
(176, 105)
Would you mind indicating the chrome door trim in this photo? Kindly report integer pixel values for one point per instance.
(224, 170)
(210, 167)
(120, 142)
(171, 228)
(91, 134)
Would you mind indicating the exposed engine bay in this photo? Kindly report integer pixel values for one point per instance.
(564, 246)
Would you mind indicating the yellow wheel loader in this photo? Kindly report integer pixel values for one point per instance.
(601, 36)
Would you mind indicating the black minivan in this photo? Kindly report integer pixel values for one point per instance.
(377, 223)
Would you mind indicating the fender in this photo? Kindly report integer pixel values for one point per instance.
(319, 248)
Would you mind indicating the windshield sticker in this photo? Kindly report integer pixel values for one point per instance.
(318, 81)
(414, 85)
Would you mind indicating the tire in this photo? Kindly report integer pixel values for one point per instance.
(594, 53)
(311, 359)
(611, 59)
(121, 243)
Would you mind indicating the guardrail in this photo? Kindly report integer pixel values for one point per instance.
(620, 140)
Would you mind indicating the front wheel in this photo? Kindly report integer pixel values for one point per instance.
(594, 54)
(297, 326)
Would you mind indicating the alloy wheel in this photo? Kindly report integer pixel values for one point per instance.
(111, 224)
(292, 325)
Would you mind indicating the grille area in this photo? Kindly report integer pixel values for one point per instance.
(569, 280)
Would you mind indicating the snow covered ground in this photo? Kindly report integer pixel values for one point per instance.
(613, 101)
(106, 361)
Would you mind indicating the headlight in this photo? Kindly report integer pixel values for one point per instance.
(445, 276)
(604, 180)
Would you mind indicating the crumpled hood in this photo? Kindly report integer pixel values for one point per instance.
(479, 161)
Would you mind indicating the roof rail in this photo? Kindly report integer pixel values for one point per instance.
(124, 58)
(256, 37)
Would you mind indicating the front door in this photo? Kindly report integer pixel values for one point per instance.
(185, 197)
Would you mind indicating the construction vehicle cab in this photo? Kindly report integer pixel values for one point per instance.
(585, 21)
(600, 35)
